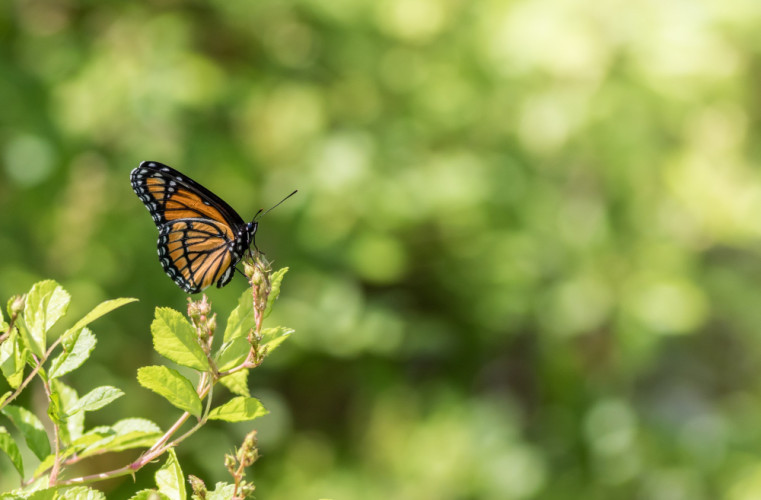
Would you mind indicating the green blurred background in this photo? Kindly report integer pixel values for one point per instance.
(525, 254)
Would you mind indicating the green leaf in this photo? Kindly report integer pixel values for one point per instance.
(241, 319)
(81, 493)
(74, 424)
(172, 386)
(237, 383)
(96, 399)
(275, 280)
(71, 359)
(24, 340)
(9, 306)
(12, 359)
(100, 310)
(4, 397)
(223, 491)
(55, 409)
(131, 425)
(8, 445)
(235, 345)
(37, 489)
(124, 435)
(273, 337)
(149, 495)
(238, 410)
(175, 339)
(44, 494)
(46, 303)
(169, 478)
(232, 353)
(31, 428)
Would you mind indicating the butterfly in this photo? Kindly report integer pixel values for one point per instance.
(201, 238)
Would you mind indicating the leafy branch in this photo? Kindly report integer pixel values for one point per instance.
(187, 342)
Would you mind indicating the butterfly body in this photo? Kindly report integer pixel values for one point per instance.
(201, 238)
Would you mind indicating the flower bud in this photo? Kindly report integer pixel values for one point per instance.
(230, 464)
(17, 305)
(248, 453)
(211, 324)
(199, 488)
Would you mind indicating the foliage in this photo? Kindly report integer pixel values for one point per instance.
(29, 349)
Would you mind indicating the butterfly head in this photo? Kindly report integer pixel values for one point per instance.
(245, 237)
(250, 229)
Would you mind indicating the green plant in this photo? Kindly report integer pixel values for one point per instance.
(26, 353)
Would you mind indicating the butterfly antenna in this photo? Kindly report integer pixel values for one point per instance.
(262, 212)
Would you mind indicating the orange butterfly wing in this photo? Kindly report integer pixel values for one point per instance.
(195, 254)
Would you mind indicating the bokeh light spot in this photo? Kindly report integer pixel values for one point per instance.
(669, 306)
(411, 20)
(378, 258)
(28, 159)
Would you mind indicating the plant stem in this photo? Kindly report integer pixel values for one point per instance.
(56, 437)
(34, 372)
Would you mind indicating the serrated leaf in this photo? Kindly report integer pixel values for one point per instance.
(275, 280)
(222, 491)
(44, 494)
(169, 478)
(241, 319)
(237, 383)
(100, 310)
(171, 385)
(96, 399)
(12, 359)
(46, 303)
(67, 361)
(127, 441)
(80, 493)
(31, 428)
(232, 353)
(74, 425)
(175, 339)
(101, 433)
(124, 435)
(9, 446)
(149, 495)
(273, 337)
(129, 425)
(55, 409)
(31, 490)
(238, 410)
(24, 340)
(93, 441)
(235, 347)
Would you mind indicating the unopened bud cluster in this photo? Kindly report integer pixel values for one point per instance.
(198, 486)
(258, 271)
(198, 312)
(248, 453)
(236, 464)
